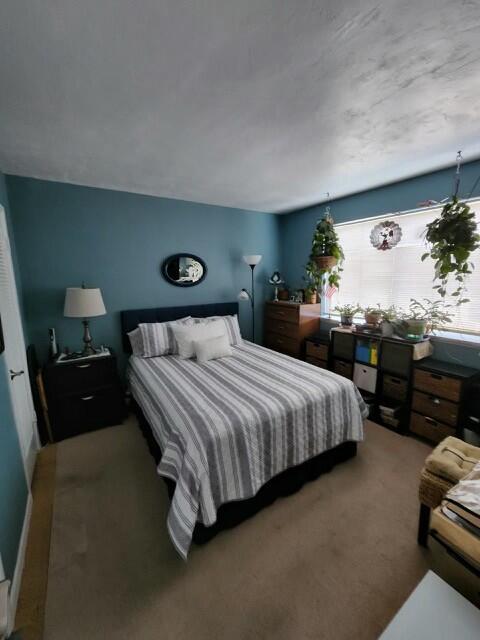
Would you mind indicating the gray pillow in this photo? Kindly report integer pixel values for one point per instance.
(158, 338)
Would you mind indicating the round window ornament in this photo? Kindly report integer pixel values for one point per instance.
(385, 235)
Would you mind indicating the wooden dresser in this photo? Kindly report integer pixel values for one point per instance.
(438, 399)
(287, 324)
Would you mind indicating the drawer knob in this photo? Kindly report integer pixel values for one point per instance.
(435, 376)
(434, 400)
(85, 398)
(83, 366)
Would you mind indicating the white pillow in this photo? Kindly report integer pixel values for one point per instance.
(185, 336)
(212, 348)
(231, 324)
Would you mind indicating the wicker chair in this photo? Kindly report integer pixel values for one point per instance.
(448, 463)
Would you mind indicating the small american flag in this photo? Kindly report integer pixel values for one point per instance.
(330, 291)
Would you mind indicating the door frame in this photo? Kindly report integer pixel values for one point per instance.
(28, 455)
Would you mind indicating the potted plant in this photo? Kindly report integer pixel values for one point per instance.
(326, 249)
(373, 315)
(388, 317)
(423, 317)
(452, 237)
(347, 312)
(314, 279)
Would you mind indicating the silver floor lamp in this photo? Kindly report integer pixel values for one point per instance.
(252, 262)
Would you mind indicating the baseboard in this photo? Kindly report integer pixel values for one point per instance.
(17, 576)
(30, 460)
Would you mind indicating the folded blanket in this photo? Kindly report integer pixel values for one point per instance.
(452, 459)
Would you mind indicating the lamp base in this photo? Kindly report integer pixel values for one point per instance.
(88, 349)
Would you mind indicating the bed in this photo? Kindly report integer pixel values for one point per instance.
(231, 435)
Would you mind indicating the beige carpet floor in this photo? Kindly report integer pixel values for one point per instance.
(334, 561)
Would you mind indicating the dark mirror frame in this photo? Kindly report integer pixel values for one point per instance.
(183, 255)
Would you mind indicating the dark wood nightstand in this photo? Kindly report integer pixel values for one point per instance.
(83, 395)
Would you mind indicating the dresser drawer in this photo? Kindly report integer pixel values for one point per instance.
(429, 428)
(77, 413)
(437, 384)
(435, 407)
(282, 327)
(81, 375)
(344, 369)
(319, 351)
(282, 343)
(395, 388)
(282, 312)
(318, 363)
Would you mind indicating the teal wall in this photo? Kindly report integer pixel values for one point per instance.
(67, 234)
(13, 486)
(296, 228)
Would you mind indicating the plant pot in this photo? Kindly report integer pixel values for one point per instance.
(325, 262)
(387, 329)
(415, 329)
(311, 298)
(283, 294)
(346, 320)
(373, 317)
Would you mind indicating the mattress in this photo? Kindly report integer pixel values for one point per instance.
(228, 426)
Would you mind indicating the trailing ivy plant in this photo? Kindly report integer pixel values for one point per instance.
(325, 243)
(452, 237)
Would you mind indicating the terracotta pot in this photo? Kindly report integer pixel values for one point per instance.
(325, 262)
(311, 298)
(373, 317)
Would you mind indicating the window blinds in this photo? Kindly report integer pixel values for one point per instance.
(391, 277)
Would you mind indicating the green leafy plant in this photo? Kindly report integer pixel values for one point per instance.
(348, 309)
(452, 237)
(313, 277)
(327, 254)
(436, 313)
(390, 313)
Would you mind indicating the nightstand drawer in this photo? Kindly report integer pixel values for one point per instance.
(78, 413)
(77, 376)
(435, 407)
(437, 384)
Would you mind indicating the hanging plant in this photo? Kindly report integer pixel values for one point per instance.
(327, 253)
(452, 237)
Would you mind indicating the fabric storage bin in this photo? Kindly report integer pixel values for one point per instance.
(365, 377)
(362, 352)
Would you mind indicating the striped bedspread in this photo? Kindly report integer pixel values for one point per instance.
(228, 426)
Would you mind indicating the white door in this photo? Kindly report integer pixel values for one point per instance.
(15, 354)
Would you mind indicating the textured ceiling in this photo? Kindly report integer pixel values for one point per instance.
(259, 104)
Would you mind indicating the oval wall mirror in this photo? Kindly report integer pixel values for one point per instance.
(184, 269)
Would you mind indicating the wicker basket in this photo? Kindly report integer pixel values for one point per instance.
(432, 488)
(325, 262)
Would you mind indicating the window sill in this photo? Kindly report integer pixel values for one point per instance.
(449, 337)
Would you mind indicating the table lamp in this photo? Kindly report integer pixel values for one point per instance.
(81, 302)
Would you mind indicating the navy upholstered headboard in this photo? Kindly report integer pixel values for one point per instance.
(131, 318)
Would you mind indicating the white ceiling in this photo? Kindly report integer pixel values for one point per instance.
(259, 104)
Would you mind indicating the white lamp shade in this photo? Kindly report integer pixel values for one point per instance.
(83, 303)
(243, 295)
(252, 260)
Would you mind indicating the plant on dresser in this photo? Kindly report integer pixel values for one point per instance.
(83, 395)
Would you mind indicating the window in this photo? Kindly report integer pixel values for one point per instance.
(391, 277)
